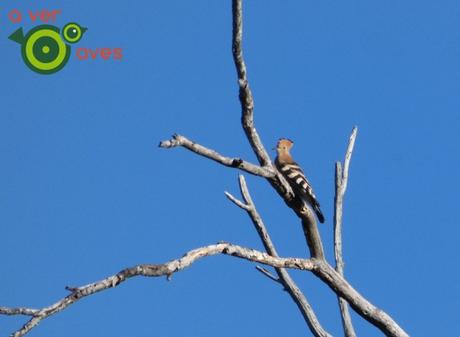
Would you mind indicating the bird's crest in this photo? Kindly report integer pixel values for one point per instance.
(284, 143)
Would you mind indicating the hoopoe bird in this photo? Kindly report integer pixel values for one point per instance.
(295, 176)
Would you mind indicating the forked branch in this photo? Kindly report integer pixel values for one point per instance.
(283, 276)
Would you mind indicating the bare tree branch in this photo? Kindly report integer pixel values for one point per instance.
(18, 311)
(361, 305)
(151, 270)
(311, 232)
(320, 267)
(178, 140)
(346, 165)
(341, 181)
(283, 276)
(245, 94)
(338, 209)
(237, 202)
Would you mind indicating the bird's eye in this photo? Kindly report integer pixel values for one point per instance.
(72, 32)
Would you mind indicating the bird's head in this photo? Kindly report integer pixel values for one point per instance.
(284, 145)
(73, 32)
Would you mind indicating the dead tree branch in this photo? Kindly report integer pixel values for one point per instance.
(245, 94)
(341, 181)
(283, 276)
(18, 311)
(318, 266)
(151, 270)
(360, 304)
(178, 140)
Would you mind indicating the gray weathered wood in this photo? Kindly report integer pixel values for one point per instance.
(341, 181)
(283, 276)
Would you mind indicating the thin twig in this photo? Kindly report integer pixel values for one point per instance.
(268, 274)
(283, 276)
(341, 181)
(151, 270)
(178, 140)
(346, 165)
(237, 202)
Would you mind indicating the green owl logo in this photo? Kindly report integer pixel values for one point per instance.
(42, 48)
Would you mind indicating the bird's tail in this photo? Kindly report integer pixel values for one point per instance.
(17, 36)
(319, 214)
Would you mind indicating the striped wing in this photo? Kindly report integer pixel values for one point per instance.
(295, 176)
(299, 183)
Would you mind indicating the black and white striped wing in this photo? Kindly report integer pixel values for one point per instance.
(299, 183)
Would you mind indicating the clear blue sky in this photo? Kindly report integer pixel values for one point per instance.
(85, 191)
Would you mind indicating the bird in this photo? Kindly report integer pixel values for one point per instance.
(294, 175)
(43, 49)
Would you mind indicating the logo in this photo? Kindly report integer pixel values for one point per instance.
(44, 50)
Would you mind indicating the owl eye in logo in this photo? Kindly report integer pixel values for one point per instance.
(44, 50)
